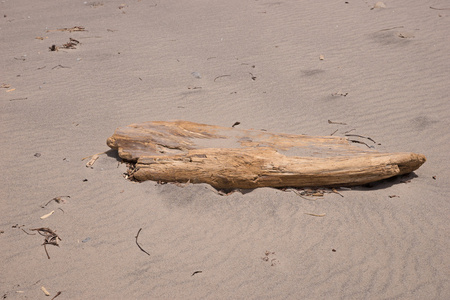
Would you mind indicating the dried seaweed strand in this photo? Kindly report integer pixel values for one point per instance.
(28, 232)
(51, 238)
(339, 123)
(57, 294)
(46, 252)
(359, 142)
(439, 8)
(361, 136)
(220, 77)
(137, 235)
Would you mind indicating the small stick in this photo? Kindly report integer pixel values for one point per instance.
(220, 77)
(350, 130)
(57, 294)
(317, 194)
(47, 215)
(334, 131)
(331, 122)
(364, 137)
(57, 199)
(28, 232)
(359, 142)
(439, 8)
(45, 291)
(47, 203)
(339, 94)
(316, 215)
(196, 272)
(16, 99)
(46, 252)
(137, 235)
(91, 162)
(93, 155)
(386, 29)
(336, 192)
(60, 66)
(76, 28)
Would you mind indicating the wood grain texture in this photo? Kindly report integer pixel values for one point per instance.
(182, 151)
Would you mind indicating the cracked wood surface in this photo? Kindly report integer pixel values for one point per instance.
(226, 157)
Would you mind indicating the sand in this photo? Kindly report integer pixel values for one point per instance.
(384, 73)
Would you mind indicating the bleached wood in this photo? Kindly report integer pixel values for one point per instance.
(226, 157)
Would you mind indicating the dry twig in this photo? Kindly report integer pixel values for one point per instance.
(220, 77)
(57, 294)
(47, 215)
(45, 291)
(359, 142)
(16, 99)
(386, 29)
(60, 66)
(75, 28)
(71, 44)
(137, 235)
(439, 8)
(364, 137)
(93, 158)
(339, 123)
(316, 215)
(58, 199)
(336, 192)
(28, 232)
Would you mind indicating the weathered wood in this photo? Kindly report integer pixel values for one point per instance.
(182, 151)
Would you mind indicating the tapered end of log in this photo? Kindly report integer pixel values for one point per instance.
(410, 162)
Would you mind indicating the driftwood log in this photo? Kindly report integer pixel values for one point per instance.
(227, 157)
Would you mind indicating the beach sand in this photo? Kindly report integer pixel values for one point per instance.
(384, 72)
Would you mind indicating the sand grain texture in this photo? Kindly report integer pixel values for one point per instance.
(384, 74)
